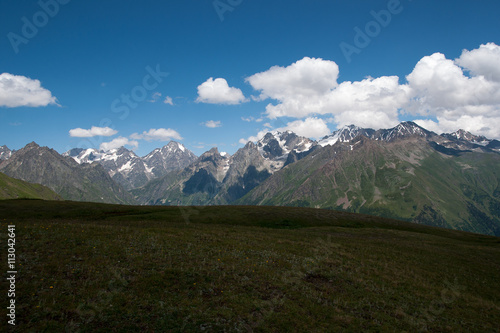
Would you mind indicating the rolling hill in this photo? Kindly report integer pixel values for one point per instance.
(86, 267)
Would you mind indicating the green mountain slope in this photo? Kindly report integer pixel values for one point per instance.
(11, 188)
(406, 179)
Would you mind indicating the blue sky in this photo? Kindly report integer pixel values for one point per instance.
(88, 55)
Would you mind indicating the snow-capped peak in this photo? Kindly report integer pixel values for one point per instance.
(404, 129)
(5, 153)
(468, 136)
(345, 134)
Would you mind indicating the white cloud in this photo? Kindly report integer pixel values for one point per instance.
(168, 100)
(117, 143)
(483, 61)
(305, 78)
(212, 124)
(438, 88)
(479, 125)
(218, 92)
(309, 86)
(93, 131)
(310, 128)
(159, 134)
(244, 141)
(17, 90)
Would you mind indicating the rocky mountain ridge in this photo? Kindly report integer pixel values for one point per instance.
(63, 175)
(404, 172)
(132, 171)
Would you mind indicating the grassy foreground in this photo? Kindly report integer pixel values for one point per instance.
(97, 268)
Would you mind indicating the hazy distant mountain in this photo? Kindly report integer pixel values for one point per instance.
(11, 188)
(72, 181)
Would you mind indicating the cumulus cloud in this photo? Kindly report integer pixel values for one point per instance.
(117, 143)
(483, 61)
(93, 131)
(158, 134)
(17, 90)
(309, 86)
(218, 92)
(305, 78)
(212, 124)
(310, 127)
(441, 90)
(451, 94)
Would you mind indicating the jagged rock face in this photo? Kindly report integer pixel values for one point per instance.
(351, 132)
(242, 159)
(72, 181)
(276, 146)
(213, 162)
(468, 136)
(247, 169)
(403, 130)
(132, 171)
(173, 156)
(346, 134)
(196, 184)
(5, 153)
(123, 165)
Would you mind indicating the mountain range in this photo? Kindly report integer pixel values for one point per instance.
(407, 172)
(132, 171)
(63, 175)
